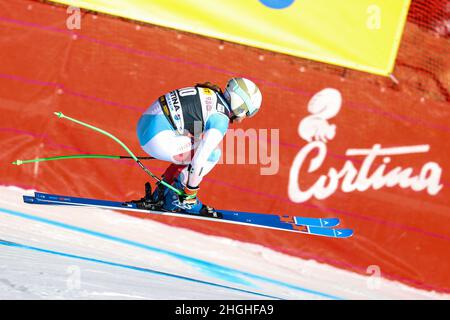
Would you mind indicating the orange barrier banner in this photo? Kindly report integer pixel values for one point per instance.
(374, 157)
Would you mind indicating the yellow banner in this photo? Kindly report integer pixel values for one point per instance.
(358, 34)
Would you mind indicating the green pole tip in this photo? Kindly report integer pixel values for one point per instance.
(59, 114)
(17, 162)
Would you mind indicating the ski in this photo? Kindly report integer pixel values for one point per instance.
(241, 216)
(248, 216)
(312, 226)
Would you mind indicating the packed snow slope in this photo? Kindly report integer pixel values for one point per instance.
(62, 252)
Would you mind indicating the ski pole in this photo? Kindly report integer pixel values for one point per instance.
(78, 156)
(61, 115)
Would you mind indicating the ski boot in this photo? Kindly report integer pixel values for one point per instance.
(172, 203)
(210, 212)
(155, 201)
(147, 201)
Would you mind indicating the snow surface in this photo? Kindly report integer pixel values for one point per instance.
(62, 252)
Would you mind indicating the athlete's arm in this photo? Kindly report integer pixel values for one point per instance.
(215, 129)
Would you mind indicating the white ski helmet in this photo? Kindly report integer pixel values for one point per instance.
(244, 97)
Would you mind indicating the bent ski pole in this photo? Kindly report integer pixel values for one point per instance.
(78, 156)
(61, 115)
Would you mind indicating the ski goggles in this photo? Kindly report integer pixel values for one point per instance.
(248, 106)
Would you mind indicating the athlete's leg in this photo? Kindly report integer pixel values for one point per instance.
(213, 159)
(177, 175)
(159, 140)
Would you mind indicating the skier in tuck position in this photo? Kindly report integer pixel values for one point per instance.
(185, 127)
